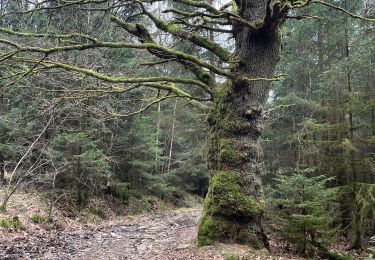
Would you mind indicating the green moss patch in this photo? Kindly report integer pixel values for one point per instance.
(228, 212)
(210, 230)
(225, 198)
(36, 218)
(227, 152)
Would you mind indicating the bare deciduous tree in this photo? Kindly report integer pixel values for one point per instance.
(233, 207)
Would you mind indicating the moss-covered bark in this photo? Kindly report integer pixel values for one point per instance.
(233, 207)
(227, 208)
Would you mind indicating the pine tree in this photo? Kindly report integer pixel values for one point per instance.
(304, 210)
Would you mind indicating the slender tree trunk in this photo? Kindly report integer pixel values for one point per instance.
(357, 243)
(80, 172)
(2, 170)
(172, 136)
(2, 159)
(233, 206)
(373, 108)
(373, 120)
(158, 120)
(371, 176)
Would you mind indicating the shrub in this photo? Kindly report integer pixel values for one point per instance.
(36, 218)
(135, 193)
(83, 198)
(168, 193)
(17, 225)
(146, 204)
(11, 223)
(5, 223)
(121, 191)
(232, 256)
(302, 208)
(99, 211)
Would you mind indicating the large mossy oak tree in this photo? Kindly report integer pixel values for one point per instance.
(231, 85)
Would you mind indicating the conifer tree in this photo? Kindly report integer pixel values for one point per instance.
(233, 90)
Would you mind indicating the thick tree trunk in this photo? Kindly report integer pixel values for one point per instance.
(233, 207)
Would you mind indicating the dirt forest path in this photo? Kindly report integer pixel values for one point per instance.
(169, 235)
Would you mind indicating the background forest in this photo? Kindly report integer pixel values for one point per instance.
(98, 142)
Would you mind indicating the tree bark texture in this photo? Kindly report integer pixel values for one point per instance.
(2, 158)
(233, 206)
